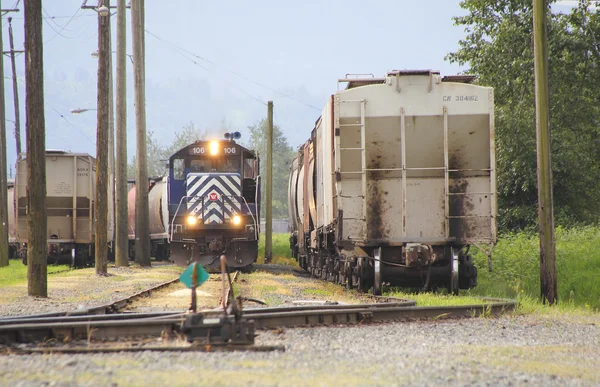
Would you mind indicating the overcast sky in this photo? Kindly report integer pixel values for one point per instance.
(245, 53)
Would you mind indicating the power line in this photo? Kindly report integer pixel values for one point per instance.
(59, 33)
(65, 118)
(231, 71)
(180, 52)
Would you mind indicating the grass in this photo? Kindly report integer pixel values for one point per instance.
(516, 269)
(282, 254)
(16, 272)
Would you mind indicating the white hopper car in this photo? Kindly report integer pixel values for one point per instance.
(396, 182)
(70, 199)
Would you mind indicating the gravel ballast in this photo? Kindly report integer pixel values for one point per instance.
(82, 288)
(508, 351)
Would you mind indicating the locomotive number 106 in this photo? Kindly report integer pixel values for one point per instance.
(200, 150)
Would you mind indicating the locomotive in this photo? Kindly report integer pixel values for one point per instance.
(206, 206)
(396, 182)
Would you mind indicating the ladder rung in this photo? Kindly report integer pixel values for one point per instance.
(468, 216)
(352, 196)
(352, 148)
(351, 125)
(470, 193)
(383, 169)
(353, 219)
(350, 173)
(469, 170)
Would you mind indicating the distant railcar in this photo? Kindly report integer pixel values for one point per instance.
(70, 198)
(396, 182)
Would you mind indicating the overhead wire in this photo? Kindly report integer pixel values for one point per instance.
(230, 71)
(62, 28)
(64, 118)
(185, 55)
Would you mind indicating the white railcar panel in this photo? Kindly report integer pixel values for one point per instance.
(325, 156)
(432, 111)
(425, 208)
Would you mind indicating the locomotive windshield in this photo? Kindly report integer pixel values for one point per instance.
(213, 165)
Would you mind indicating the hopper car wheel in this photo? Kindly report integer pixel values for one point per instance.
(453, 280)
(377, 277)
(349, 275)
(364, 282)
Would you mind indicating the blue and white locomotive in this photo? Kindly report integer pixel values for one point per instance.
(213, 203)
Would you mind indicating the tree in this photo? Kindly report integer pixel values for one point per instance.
(37, 275)
(499, 50)
(159, 154)
(282, 156)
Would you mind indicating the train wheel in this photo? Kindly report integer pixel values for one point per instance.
(364, 280)
(349, 275)
(377, 277)
(453, 281)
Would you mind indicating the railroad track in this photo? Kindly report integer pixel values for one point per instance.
(107, 308)
(127, 325)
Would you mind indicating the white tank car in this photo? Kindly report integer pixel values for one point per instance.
(397, 182)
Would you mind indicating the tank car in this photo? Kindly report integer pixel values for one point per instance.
(396, 182)
(70, 196)
(213, 191)
(158, 217)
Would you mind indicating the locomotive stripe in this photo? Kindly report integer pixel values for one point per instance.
(227, 186)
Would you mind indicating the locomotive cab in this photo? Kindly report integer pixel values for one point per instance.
(212, 204)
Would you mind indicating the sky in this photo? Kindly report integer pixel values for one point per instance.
(216, 63)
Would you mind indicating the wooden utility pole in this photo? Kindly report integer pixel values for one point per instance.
(15, 86)
(269, 212)
(544, 170)
(101, 208)
(142, 226)
(35, 129)
(121, 235)
(3, 170)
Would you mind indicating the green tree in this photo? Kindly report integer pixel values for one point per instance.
(498, 48)
(282, 156)
(158, 154)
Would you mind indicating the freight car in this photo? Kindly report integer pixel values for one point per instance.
(206, 206)
(13, 245)
(158, 216)
(396, 182)
(70, 197)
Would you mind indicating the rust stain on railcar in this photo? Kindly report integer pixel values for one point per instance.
(375, 201)
(460, 205)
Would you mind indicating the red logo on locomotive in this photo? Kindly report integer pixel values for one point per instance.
(213, 196)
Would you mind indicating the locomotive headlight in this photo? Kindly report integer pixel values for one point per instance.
(192, 220)
(237, 220)
(213, 147)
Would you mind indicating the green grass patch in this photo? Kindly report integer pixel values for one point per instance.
(317, 292)
(516, 269)
(433, 299)
(282, 254)
(16, 272)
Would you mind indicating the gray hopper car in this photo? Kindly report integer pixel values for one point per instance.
(396, 182)
(70, 197)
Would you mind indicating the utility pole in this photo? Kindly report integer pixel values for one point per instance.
(121, 237)
(142, 227)
(3, 170)
(111, 139)
(269, 215)
(15, 86)
(101, 208)
(35, 129)
(544, 171)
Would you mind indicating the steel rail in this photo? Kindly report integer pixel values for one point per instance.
(263, 318)
(155, 348)
(107, 308)
(208, 312)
